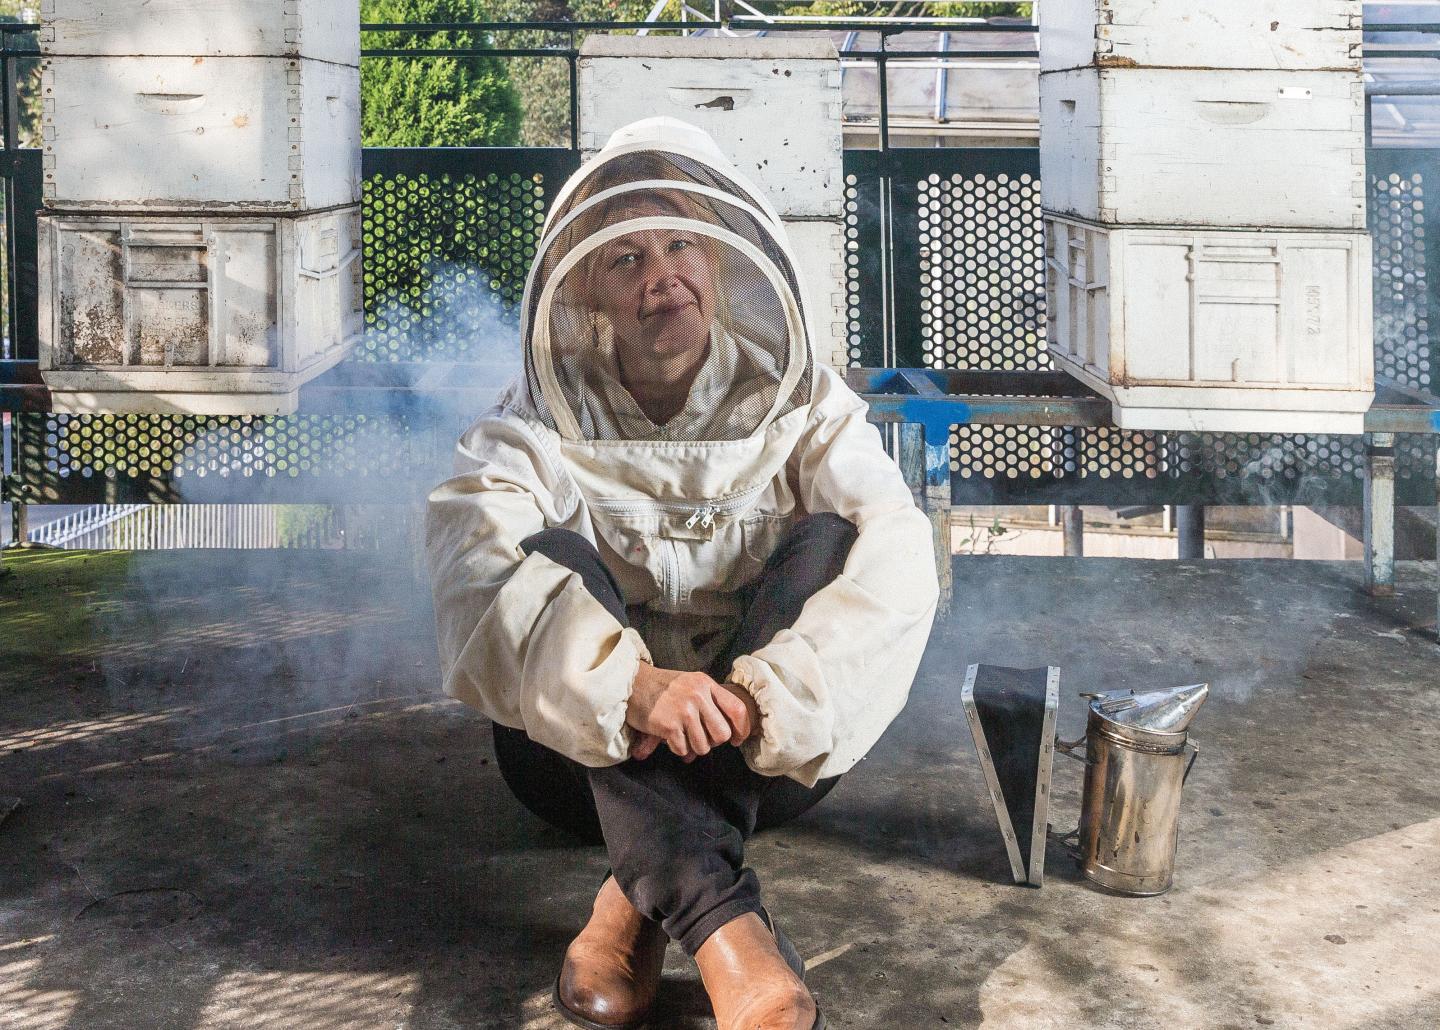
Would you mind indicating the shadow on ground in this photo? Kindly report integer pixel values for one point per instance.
(245, 804)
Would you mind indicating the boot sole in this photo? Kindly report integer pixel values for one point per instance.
(574, 1017)
(571, 1016)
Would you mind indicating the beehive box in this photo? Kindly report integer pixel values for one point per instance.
(771, 103)
(1219, 331)
(324, 30)
(1234, 148)
(210, 315)
(819, 248)
(178, 133)
(1297, 35)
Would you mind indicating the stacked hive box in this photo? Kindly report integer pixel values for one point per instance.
(202, 185)
(1203, 179)
(773, 105)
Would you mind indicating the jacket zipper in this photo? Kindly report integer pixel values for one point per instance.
(705, 516)
(672, 573)
(702, 514)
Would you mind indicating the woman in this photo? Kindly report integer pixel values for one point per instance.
(677, 570)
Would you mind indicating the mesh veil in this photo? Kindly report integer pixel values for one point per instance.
(663, 305)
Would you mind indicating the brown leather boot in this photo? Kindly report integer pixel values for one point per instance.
(750, 985)
(611, 970)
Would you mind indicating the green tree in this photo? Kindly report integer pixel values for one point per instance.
(415, 258)
(543, 83)
(911, 9)
(434, 101)
(27, 71)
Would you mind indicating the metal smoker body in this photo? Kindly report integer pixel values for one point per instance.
(1136, 765)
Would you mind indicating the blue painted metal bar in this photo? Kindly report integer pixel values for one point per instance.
(939, 399)
(936, 432)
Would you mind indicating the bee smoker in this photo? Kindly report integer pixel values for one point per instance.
(1137, 757)
(1136, 748)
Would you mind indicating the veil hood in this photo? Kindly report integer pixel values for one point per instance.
(664, 305)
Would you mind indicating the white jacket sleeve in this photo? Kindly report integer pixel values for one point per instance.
(830, 685)
(520, 637)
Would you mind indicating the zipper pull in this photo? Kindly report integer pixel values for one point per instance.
(709, 519)
(694, 518)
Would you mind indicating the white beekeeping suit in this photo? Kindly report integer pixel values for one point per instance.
(683, 506)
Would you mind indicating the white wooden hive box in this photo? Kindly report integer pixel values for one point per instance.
(206, 314)
(1304, 35)
(177, 133)
(1223, 331)
(771, 104)
(325, 30)
(1234, 148)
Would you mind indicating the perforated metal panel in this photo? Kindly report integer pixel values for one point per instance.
(1033, 464)
(963, 286)
(449, 237)
(125, 458)
(1101, 464)
(1405, 280)
(856, 355)
(982, 266)
(866, 292)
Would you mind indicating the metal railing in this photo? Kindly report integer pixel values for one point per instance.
(17, 47)
(749, 20)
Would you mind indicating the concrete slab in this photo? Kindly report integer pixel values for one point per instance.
(245, 805)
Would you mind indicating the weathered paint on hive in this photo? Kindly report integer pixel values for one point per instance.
(325, 30)
(220, 316)
(92, 329)
(1279, 35)
(168, 264)
(171, 326)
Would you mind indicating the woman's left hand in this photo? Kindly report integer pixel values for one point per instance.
(643, 744)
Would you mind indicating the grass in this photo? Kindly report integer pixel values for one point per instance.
(47, 607)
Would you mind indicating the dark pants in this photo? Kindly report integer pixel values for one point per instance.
(675, 831)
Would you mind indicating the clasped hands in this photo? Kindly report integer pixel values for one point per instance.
(688, 711)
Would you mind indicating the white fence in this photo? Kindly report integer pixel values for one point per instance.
(151, 527)
(148, 527)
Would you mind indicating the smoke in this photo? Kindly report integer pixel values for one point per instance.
(462, 316)
(265, 650)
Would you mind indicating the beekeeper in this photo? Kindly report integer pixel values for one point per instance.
(677, 570)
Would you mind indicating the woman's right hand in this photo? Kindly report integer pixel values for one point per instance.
(689, 711)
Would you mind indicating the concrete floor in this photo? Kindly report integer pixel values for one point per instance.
(245, 805)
